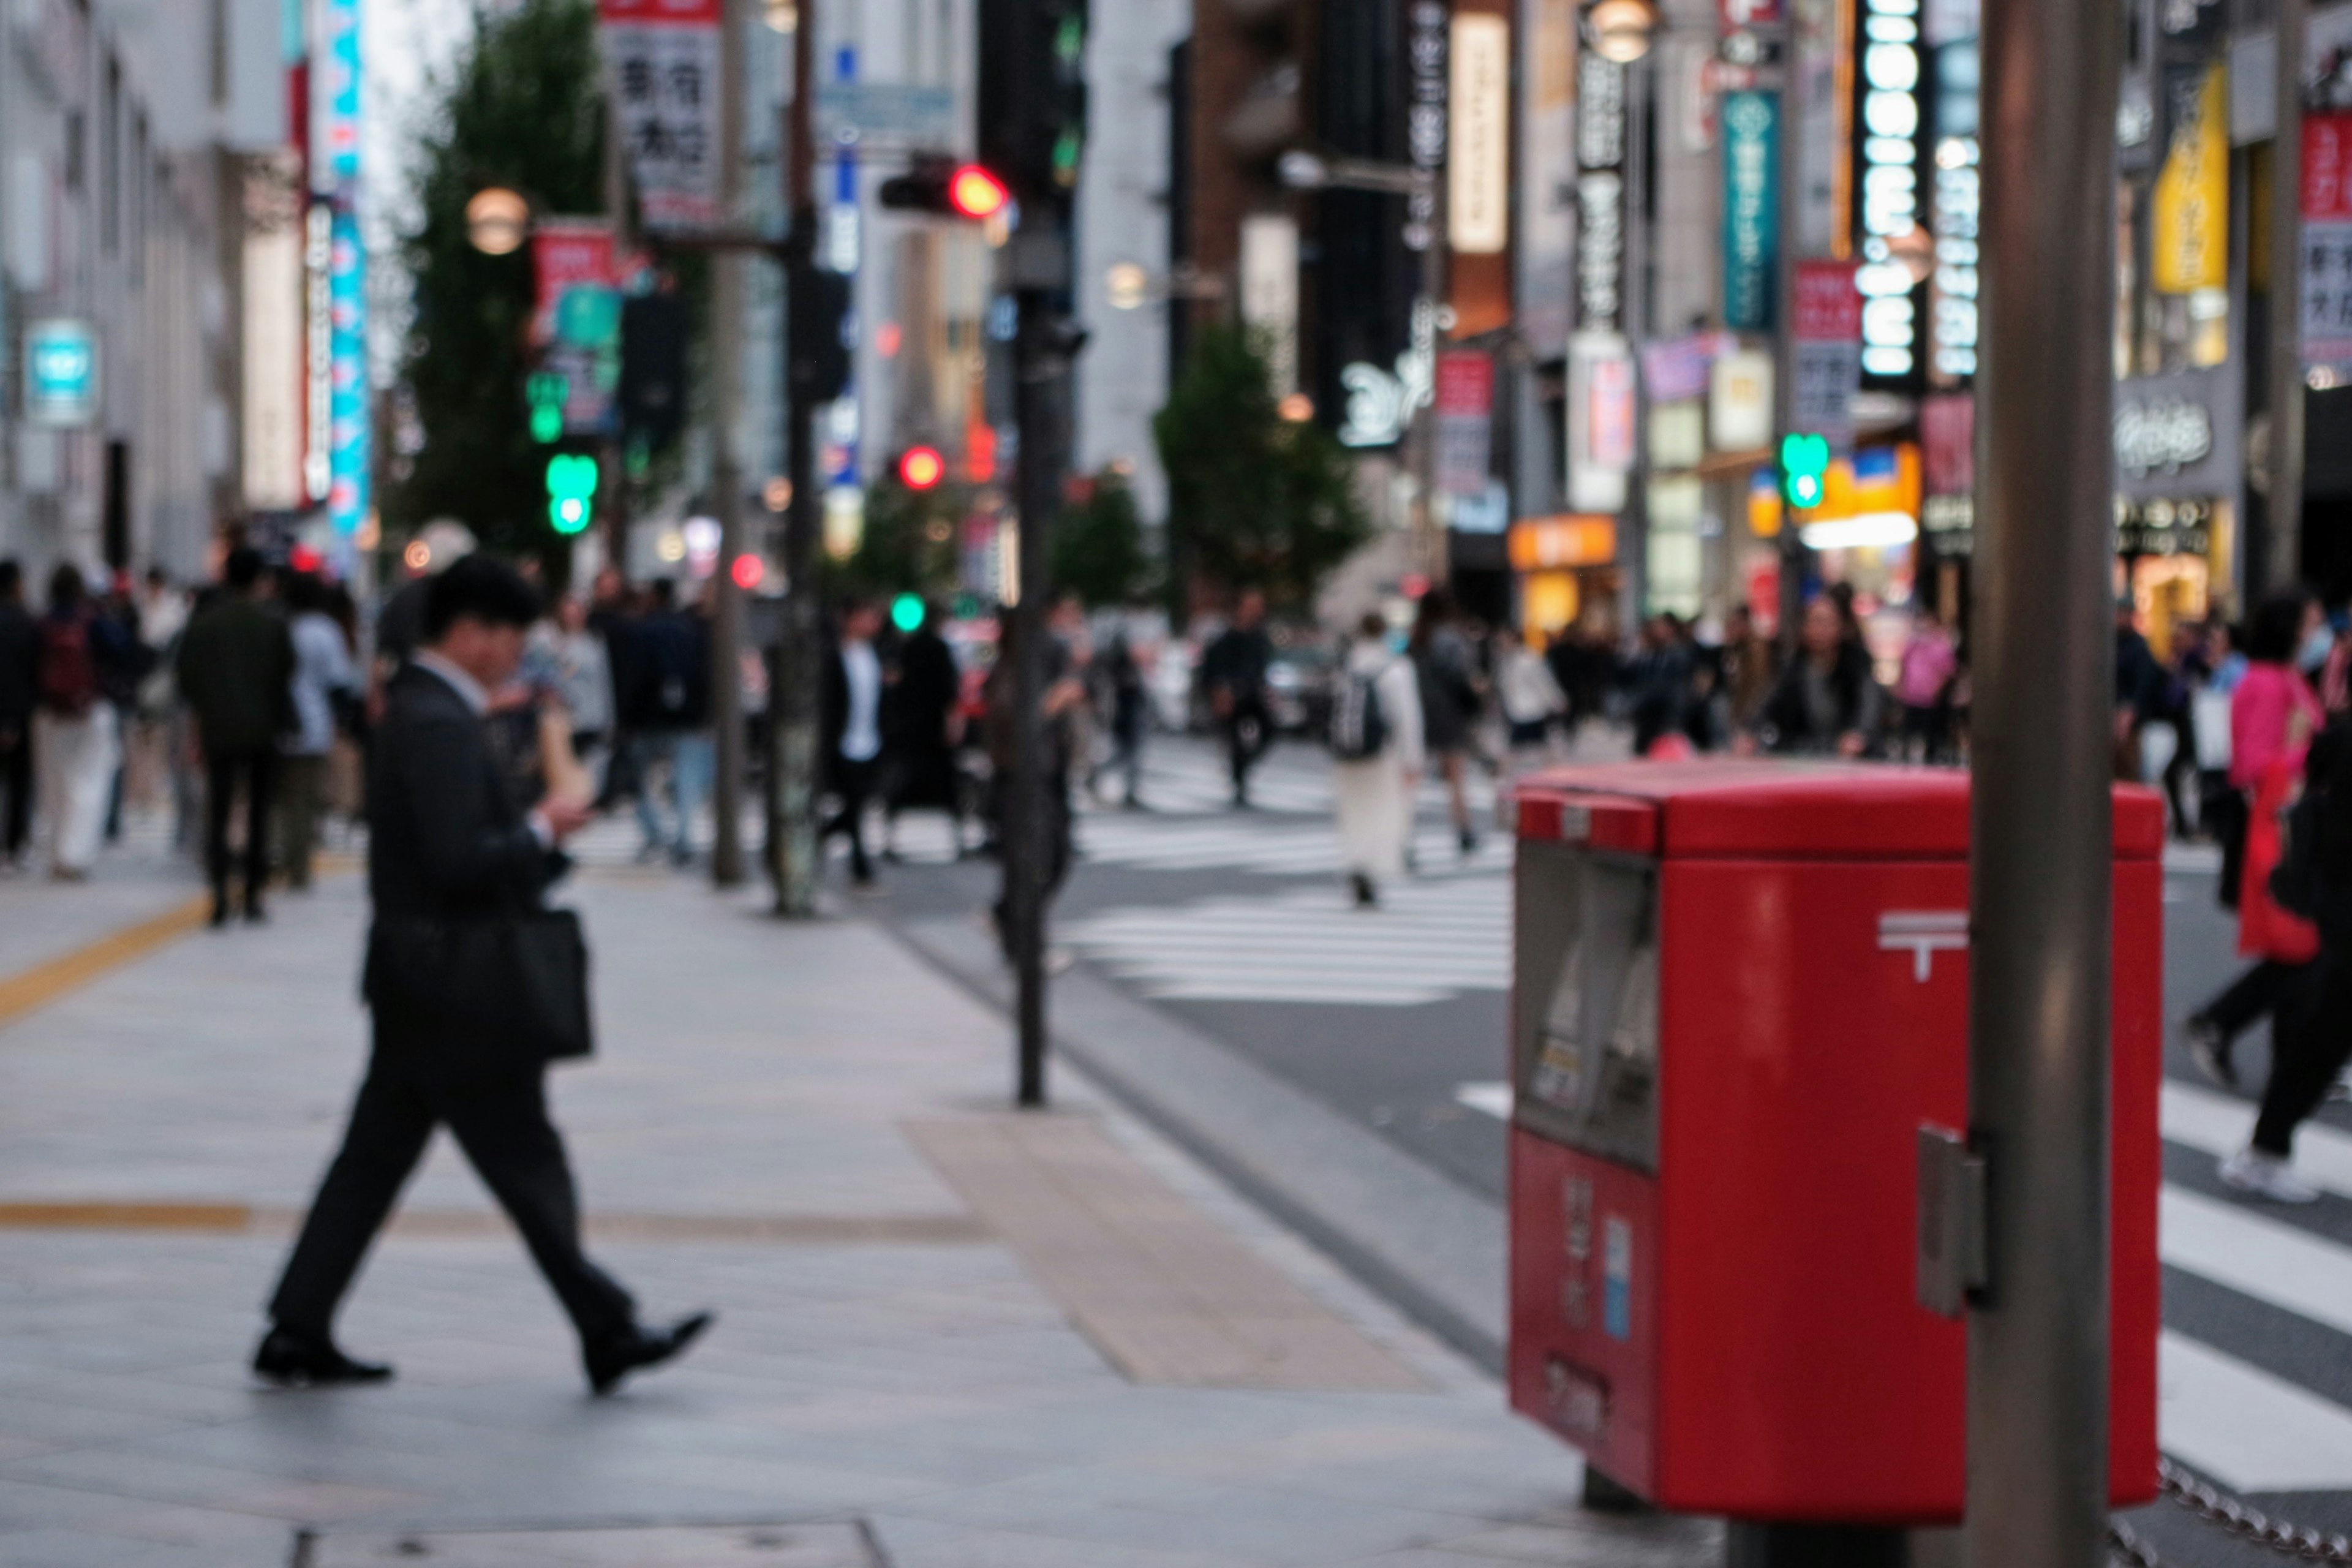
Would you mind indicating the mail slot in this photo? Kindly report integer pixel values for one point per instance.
(1740, 994)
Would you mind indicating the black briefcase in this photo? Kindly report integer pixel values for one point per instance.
(509, 990)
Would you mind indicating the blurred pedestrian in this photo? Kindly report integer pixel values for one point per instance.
(1449, 705)
(922, 727)
(2139, 690)
(581, 667)
(2274, 714)
(77, 737)
(20, 674)
(1121, 675)
(669, 720)
(464, 1001)
(1828, 703)
(235, 670)
(1922, 685)
(1750, 667)
(1060, 692)
(1233, 673)
(324, 679)
(1529, 699)
(1377, 754)
(852, 710)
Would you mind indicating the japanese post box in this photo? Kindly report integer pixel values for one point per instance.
(1741, 991)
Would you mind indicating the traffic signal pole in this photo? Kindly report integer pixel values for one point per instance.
(792, 779)
(727, 475)
(2042, 848)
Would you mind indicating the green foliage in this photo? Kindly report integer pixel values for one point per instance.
(524, 109)
(910, 545)
(1098, 551)
(1253, 501)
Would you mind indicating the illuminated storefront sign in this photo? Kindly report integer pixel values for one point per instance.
(1477, 169)
(347, 491)
(1954, 212)
(1889, 209)
(1600, 192)
(61, 386)
(1751, 181)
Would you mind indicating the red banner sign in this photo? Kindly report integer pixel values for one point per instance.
(1829, 307)
(2328, 166)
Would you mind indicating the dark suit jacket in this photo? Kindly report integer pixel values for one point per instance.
(236, 671)
(445, 838)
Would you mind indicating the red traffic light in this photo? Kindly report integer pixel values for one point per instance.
(920, 467)
(974, 193)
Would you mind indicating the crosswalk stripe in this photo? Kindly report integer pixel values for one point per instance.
(2220, 1125)
(2256, 1256)
(2245, 1427)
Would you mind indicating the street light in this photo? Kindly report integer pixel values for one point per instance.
(1620, 30)
(498, 221)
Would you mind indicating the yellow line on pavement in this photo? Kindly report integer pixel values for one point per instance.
(36, 987)
(70, 1215)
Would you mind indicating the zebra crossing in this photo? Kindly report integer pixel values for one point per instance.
(1430, 941)
(2224, 1413)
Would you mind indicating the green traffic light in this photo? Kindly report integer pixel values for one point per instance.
(1804, 467)
(906, 612)
(570, 487)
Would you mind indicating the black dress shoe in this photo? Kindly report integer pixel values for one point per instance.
(610, 1360)
(300, 1361)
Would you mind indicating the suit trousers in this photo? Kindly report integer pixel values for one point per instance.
(503, 1127)
(17, 783)
(2311, 1033)
(258, 772)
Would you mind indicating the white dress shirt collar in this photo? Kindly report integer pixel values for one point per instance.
(468, 689)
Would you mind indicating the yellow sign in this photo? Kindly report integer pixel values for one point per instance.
(2190, 247)
(1549, 543)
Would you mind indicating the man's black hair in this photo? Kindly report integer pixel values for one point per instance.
(12, 578)
(481, 588)
(243, 568)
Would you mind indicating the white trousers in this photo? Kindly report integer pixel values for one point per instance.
(74, 761)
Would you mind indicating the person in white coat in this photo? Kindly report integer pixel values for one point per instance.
(1374, 784)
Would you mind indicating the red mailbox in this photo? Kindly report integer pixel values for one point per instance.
(1741, 990)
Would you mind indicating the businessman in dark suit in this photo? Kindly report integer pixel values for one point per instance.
(447, 844)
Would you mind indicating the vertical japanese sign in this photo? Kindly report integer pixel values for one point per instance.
(1751, 183)
(335, 175)
(2189, 247)
(1546, 247)
(2327, 239)
(662, 56)
(1466, 411)
(1478, 158)
(577, 317)
(1599, 194)
(1600, 418)
(271, 334)
(1828, 353)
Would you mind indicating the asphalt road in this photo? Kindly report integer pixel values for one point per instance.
(1234, 922)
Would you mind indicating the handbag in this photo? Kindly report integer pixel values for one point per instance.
(506, 991)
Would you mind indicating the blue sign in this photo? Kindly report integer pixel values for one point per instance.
(61, 386)
(1751, 183)
(337, 148)
(347, 437)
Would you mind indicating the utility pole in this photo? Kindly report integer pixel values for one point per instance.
(793, 695)
(2283, 540)
(1033, 117)
(726, 472)
(2042, 839)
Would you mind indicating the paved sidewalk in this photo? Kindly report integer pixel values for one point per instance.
(1061, 1345)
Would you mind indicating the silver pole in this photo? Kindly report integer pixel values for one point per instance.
(2283, 540)
(727, 475)
(2037, 1391)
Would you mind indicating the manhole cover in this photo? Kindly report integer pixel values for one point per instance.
(837, 1545)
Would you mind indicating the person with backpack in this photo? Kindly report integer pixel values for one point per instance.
(235, 671)
(76, 743)
(1377, 754)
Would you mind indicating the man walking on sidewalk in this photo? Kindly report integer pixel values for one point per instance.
(453, 863)
(237, 673)
(852, 731)
(1233, 671)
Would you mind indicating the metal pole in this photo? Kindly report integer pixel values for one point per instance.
(1042, 371)
(2041, 854)
(727, 475)
(2283, 540)
(791, 770)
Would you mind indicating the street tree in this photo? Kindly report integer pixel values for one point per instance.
(1254, 501)
(523, 109)
(1098, 547)
(908, 544)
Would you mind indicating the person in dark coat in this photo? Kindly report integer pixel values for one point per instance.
(921, 728)
(235, 671)
(447, 844)
(851, 713)
(1828, 703)
(1233, 672)
(20, 663)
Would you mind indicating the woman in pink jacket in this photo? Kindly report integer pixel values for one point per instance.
(2274, 714)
